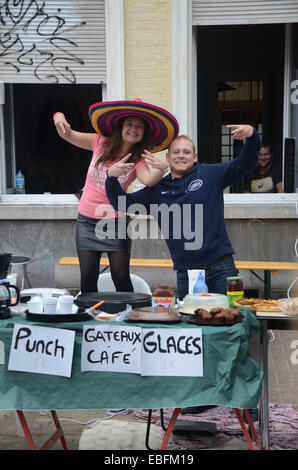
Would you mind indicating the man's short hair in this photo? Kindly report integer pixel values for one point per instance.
(182, 137)
(264, 144)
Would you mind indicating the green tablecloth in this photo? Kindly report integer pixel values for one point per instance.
(231, 376)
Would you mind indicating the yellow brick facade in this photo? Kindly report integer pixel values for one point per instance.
(148, 51)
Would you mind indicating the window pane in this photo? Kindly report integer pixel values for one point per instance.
(49, 163)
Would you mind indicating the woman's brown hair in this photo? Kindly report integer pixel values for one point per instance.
(111, 147)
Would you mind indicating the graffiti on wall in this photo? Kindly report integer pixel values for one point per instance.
(33, 39)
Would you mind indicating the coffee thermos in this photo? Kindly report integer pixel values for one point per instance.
(9, 296)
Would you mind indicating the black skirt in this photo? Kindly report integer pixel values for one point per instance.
(103, 234)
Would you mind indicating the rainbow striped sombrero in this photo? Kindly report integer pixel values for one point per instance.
(163, 126)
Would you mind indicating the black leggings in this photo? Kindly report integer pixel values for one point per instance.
(119, 266)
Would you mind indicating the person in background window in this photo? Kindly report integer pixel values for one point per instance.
(266, 178)
(123, 128)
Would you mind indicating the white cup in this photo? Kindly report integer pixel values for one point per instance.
(35, 304)
(65, 304)
(49, 305)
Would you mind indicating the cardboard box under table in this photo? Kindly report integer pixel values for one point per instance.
(230, 375)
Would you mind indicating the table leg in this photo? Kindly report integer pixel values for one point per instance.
(148, 429)
(244, 430)
(170, 428)
(252, 428)
(264, 391)
(26, 430)
(58, 434)
(25, 277)
(267, 284)
(266, 281)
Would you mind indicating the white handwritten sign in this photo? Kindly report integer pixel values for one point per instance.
(172, 352)
(41, 350)
(111, 348)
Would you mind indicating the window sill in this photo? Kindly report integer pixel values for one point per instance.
(65, 206)
(41, 199)
(38, 206)
(262, 206)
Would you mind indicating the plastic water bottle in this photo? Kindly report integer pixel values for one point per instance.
(20, 183)
(200, 286)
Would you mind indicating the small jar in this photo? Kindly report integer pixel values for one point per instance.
(234, 289)
(163, 298)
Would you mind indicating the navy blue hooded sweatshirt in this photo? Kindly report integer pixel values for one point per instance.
(190, 209)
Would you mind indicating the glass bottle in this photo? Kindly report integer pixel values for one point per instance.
(163, 298)
(234, 289)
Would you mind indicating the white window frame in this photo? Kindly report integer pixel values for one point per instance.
(287, 90)
(183, 68)
(115, 86)
(184, 78)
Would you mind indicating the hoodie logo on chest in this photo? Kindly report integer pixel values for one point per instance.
(195, 185)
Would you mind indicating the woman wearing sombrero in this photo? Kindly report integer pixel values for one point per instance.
(122, 128)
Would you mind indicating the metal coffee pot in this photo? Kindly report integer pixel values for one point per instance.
(9, 296)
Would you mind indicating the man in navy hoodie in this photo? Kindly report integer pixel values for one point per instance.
(192, 194)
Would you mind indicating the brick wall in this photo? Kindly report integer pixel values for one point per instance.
(148, 51)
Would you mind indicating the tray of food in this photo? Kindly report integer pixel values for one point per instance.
(254, 304)
(146, 315)
(215, 317)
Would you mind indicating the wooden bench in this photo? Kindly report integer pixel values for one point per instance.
(134, 262)
(267, 266)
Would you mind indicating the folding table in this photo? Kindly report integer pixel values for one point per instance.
(168, 431)
(58, 434)
(100, 390)
(269, 267)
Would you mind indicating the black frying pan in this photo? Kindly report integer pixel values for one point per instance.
(115, 302)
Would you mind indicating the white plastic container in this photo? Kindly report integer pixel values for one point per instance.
(35, 304)
(206, 301)
(65, 304)
(49, 305)
(289, 306)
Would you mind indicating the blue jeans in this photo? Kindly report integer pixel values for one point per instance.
(215, 277)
